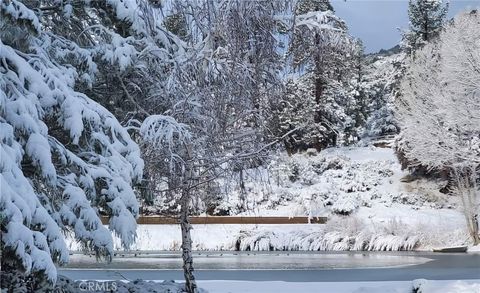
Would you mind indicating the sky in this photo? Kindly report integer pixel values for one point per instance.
(376, 22)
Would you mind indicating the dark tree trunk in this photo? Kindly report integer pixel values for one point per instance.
(319, 86)
(190, 283)
(475, 229)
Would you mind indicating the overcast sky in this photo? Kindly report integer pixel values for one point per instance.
(376, 21)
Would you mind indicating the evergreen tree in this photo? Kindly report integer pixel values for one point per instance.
(379, 89)
(426, 20)
(305, 6)
(65, 159)
(322, 57)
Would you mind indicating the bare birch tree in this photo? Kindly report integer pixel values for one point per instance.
(212, 95)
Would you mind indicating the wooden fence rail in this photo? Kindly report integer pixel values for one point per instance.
(160, 220)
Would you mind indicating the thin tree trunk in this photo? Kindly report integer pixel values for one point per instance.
(474, 230)
(466, 178)
(190, 283)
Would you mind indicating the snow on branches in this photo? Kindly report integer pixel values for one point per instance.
(65, 159)
(439, 111)
(441, 99)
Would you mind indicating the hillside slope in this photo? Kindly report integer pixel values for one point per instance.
(359, 189)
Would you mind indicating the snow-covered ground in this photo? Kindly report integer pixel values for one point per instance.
(422, 286)
(359, 189)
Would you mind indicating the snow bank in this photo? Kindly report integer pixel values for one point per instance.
(219, 286)
(447, 286)
(288, 287)
(427, 286)
(342, 234)
(474, 249)
(69, 286)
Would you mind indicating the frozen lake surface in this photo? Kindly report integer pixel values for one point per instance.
(251, 261)
(283, 266)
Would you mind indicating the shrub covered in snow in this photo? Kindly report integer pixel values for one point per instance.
(334, 182)
(339, 234)
(345, 205)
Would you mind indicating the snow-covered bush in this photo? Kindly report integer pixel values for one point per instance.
(329, 182)
(335, 182)
(345, 205)
(341, 234)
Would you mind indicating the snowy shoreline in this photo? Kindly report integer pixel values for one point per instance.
(222, 286)
(307, 237)
(382, 212)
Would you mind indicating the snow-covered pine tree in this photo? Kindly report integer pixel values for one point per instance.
(426, 20)
(305, 6)
(322, 56)
(65, 159)
(350, 76)
(294, 113)
(380, 87)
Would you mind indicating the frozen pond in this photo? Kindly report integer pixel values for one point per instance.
(252, 261)
(282, 266)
